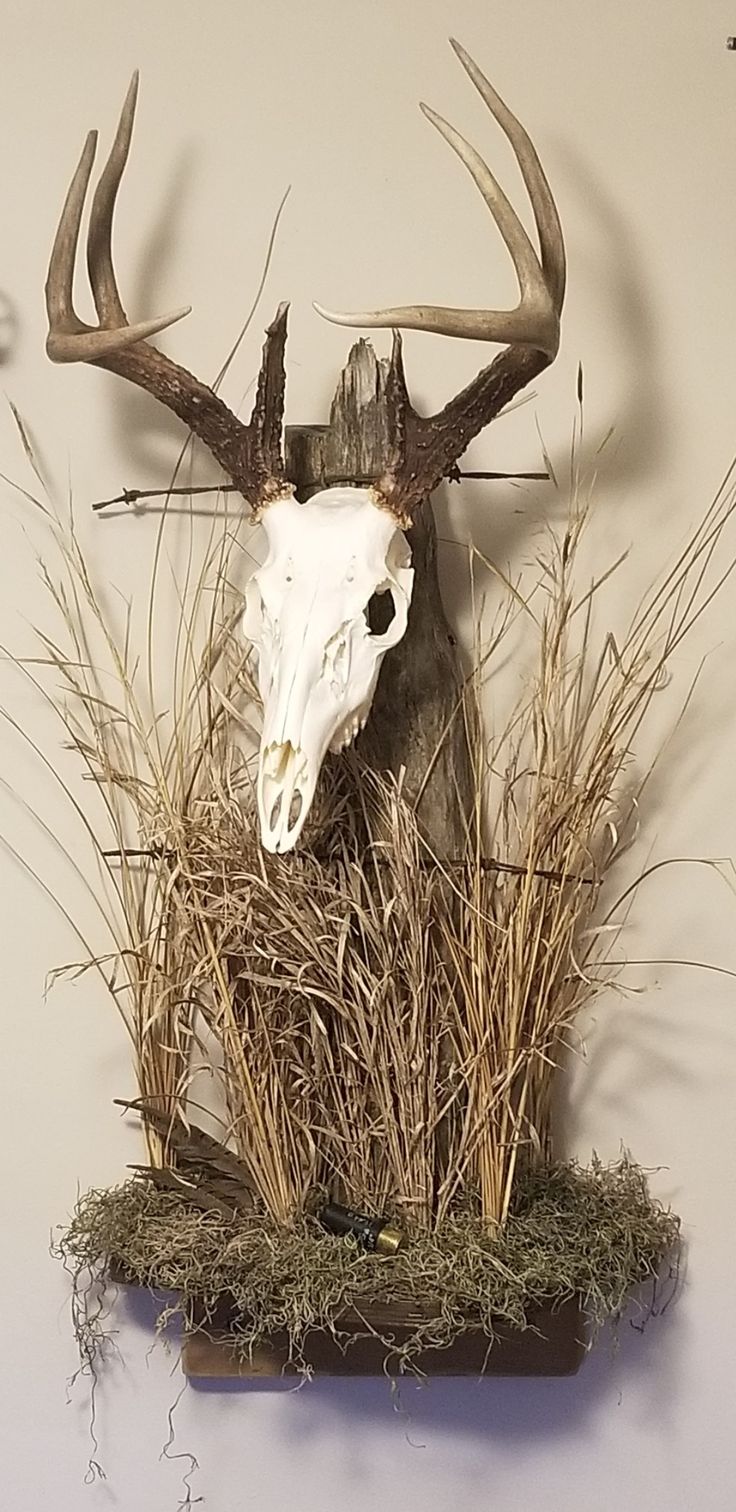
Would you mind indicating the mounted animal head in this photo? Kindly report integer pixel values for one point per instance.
(333, 594)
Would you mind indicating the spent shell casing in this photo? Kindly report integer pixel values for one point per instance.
(374, 1234)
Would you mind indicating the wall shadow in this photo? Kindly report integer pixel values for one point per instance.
(9, 329)
(145, 430)
(610, 261)
(509, 1411)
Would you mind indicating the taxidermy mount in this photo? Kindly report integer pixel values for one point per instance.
(375, 958)
(314, 610)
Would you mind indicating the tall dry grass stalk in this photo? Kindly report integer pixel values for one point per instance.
(147, 769)
(372, 1020)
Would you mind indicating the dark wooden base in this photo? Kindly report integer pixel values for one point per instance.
(553, 1345)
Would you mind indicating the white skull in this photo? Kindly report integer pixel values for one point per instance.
(321, 634)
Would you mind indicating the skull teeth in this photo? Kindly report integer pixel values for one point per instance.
(348, 731)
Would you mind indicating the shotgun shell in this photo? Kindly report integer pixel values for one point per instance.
(374, 1234)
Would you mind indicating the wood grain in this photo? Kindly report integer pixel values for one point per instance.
(553, 1345)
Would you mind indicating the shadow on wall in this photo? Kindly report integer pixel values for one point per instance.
(511, 1413)
(146, 432)
(632, 1052)
(499, 518)
(611, 264)
(8, 329)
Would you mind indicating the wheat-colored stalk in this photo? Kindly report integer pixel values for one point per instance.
(384, 1024)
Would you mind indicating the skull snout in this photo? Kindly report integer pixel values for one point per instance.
(329, 601)
(285, 790)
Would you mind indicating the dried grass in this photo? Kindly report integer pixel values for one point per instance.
(374, 1020)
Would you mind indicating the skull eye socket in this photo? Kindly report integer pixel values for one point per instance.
(380, 611)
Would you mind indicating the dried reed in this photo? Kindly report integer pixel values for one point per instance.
(377, 1023)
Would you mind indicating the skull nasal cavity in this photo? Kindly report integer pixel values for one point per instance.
(295, 809)
(379, 612)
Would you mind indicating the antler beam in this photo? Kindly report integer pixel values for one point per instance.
(250, 454)
(425, 448)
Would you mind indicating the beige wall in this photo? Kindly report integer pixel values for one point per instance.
(634, 107)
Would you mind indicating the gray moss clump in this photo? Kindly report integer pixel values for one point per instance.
(595, 1233)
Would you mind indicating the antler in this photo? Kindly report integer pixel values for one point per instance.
(250, 454)
(425, 448)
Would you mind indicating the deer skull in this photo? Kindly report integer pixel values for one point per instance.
(334, 560)
(329, 601)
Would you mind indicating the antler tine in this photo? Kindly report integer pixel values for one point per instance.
(100, 267)
(71, 339)
(250, 454)
(523, 255)
(60, 277)
(535, 321)
(423, 449)
(546, 217)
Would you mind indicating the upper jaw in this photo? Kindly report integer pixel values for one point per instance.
(287, 780)
(285, 790)
(351, 726)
